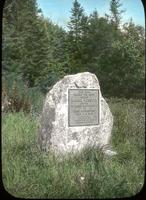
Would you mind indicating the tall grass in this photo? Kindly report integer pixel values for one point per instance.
(17, 96)
(29, 173)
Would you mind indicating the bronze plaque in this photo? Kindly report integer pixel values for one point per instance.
(83, 107)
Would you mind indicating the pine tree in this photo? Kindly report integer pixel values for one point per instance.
(12, 44)
(36, 57)
(77, 26)
(25, 42)
(116, 12)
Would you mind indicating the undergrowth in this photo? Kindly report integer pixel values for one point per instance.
(29, 173)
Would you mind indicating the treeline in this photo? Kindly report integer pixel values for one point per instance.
(39, 52)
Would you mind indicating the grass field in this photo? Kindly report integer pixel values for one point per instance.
(29, 173)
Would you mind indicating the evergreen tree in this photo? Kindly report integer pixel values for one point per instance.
(98, 43)
(76, 27)
(36, 57)
(75, 24)
(41, 52)
(25, 47)
(12, 40)
(116, 12)
(57, 58)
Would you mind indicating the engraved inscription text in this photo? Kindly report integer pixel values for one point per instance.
(83, 107)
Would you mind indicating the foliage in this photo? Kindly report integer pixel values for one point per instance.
(41, 53)
(13, 100)
(28, 46)
(115, 13)
(127, 60)
(17, 96)
(116, 57)
(30, 173)
(77, 26)
(54, 74)
(36, 53)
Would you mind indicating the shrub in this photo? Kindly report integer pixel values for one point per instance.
(13, 100)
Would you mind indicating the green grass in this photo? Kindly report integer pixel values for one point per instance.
(29, 173)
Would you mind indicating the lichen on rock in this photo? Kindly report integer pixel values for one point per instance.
(56, 135)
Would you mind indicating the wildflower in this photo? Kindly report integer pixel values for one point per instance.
(82, 178)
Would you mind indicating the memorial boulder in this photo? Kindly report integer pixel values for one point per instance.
(75, 116)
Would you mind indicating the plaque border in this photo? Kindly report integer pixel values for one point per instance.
(96, 89)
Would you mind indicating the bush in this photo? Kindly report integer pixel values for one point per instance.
(13, 100)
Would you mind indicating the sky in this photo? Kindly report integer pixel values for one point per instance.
(59, 10)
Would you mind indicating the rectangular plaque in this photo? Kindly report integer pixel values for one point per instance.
(83, 107)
